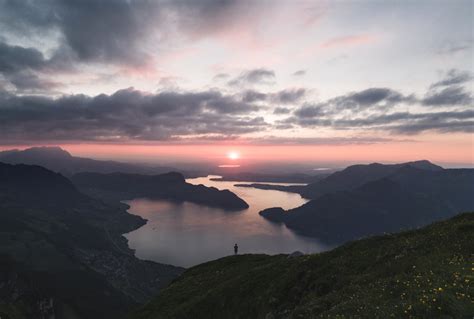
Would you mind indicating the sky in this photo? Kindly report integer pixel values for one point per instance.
(289, 81)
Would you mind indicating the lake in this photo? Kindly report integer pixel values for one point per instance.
(187, 234)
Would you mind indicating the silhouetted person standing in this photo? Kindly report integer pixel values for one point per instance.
(236, 249)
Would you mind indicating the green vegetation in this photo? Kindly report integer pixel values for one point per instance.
(425, 273)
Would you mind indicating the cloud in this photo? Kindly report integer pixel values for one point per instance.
(378, 109)
(299, 73)
(15, 58)
(107, 31)
(286, 96)
(20, 67)
(453, 77)
(281, 110)
(126, 115)
(398, 122)
(255, 76)
(278, 140)
(454, 48)
(448, 96)
(307, 111)
(120, 31)
(369, 99)
(373, 96)
(221, 76)
(289, 96)
(253, 96)
(26, 81)
(346, 40)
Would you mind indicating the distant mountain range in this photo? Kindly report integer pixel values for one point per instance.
(357, 175)
(62, 251)
(299, 178)
(364, 200)
(59, 160)
(172, 186)
(426, 273)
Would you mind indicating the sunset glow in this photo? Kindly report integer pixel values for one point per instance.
(233, 155)
(283, 81)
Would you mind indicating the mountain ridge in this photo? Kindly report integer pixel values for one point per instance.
(407, 198)
(59, 160)
(171, 186)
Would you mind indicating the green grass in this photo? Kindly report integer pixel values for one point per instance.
(425, 273)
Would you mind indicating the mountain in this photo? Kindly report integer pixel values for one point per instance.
(284, 188)
(62, 252)
(173, 186)
(59, 160)
(408, 198)
(347, 179)
(272, 178)
(357, 175)
(424, 273)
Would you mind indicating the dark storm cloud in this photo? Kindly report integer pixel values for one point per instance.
(203, 17)
(27, 17)
(449, 96)
(256, 76)
(27, 81)
(106, 30)
(114, 31)
(19, 67)
(15, 58)
(92, 30)
(125, 115)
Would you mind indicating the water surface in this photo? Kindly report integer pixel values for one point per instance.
(186, 234)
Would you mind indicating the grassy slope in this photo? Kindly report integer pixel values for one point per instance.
(421, 273)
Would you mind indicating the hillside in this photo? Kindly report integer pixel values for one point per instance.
(347, 179)
(425, 273)
(173, 186)
(62, 248)
(408, 198)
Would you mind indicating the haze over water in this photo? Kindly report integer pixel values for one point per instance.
(186, 234)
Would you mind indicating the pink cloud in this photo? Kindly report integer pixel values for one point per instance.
(344, 41)
(347, 41)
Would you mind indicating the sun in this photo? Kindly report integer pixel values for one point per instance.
(233, 155)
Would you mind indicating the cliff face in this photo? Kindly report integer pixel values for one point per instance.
(424, 273)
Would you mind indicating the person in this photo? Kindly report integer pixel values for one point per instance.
(236, 249)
